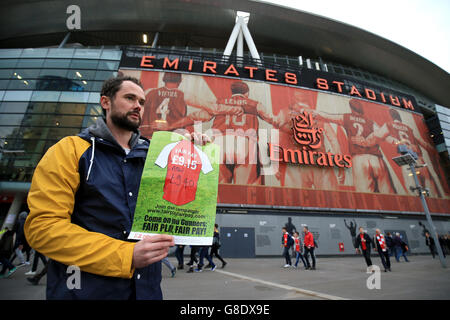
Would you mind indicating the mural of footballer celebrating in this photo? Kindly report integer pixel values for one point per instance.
(370, 173)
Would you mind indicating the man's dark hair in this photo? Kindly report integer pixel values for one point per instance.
(112, 85)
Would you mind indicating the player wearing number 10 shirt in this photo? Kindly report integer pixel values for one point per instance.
(370, 173)
(184, 161)
(164, 105)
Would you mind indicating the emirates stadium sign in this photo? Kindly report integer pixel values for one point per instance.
(307, 78)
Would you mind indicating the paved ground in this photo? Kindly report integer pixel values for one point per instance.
(265, 279)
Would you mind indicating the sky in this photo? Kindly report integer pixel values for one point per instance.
(418, 25)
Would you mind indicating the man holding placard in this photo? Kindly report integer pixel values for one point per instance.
(82, 201)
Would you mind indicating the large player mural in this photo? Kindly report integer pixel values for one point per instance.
(286, 146)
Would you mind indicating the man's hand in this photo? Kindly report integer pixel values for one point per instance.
(198, 138)
(151, 249)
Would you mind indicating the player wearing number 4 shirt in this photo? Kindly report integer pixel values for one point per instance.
(184, 161)
(370, 173)
(163, 105)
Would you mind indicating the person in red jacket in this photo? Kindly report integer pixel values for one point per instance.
(309, 249)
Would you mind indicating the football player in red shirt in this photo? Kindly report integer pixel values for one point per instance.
(164, 105)
(401, 133)
(370, 173)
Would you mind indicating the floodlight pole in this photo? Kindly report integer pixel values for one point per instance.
(427, 214)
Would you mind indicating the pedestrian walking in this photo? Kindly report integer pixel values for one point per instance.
(21, 243)
(364, 242)
(193, 255)
(216, 246)
(298, 250)
(34, 280)
(286, 243)
(429, 241)
(6, 249)
(169, 265)
(309, 245)
(204, 253)
(37, 256)
(390, 244)
(381, 246)
(400, 248)
(179, 254)
(82, 201)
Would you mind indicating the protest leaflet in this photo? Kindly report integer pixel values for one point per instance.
(178, 190)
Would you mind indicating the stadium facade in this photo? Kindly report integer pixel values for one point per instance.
(323, 105)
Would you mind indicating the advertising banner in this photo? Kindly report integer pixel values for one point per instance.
(285, 146)
(178, 190)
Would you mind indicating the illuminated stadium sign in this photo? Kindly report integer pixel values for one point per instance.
(307, 78)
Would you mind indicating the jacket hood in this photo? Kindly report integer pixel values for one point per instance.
(100, 130)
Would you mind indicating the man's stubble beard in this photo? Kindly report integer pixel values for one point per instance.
(123, 122)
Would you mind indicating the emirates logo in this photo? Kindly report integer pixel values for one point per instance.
(304, 132)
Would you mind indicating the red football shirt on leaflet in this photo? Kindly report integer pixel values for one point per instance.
(184, 161)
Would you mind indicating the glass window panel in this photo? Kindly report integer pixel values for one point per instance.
(9, 120)
(81, 85)
(24, 84)
(81, 74)
(25, 73)
(6, 73)
(13, 107)
(30, 63)
(60, 53)
(97, 86)
(74, 96)
(2, 93)
(56, 63)
(10, 53)
(108, 65)
(34, 53)
(53, 72)
(84, 64)
(111, 54)
(87, 53)
(17, 95)
(8, 63)
(45, 96)
(94, 97)
(103, 75)
(72, 108)
(57, 84)
(4, 84)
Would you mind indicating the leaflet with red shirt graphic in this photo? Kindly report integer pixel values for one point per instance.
(184, 162)
(178, 191)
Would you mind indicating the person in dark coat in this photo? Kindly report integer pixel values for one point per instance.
(400, 248)
(286, 243)
(6, 249)
(364, 242)
(390, 244)
(382, 248)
